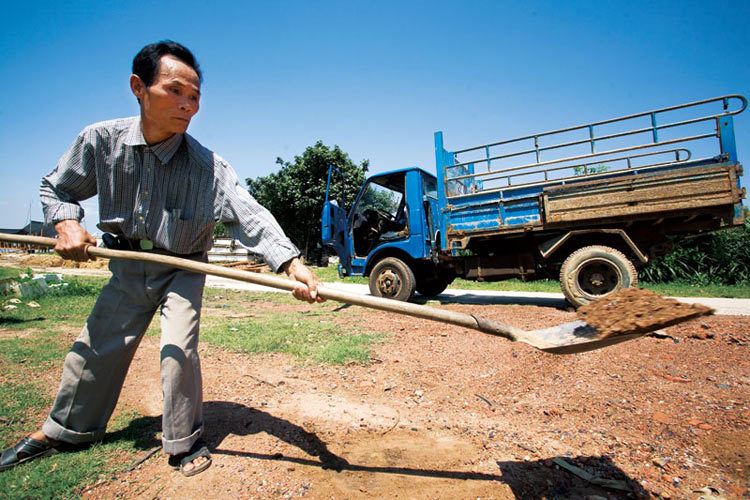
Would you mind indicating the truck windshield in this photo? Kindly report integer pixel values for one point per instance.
(380, 214)
(380, 197)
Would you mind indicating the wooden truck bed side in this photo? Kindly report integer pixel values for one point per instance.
(638, 195)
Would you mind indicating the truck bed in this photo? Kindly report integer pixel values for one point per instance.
(566, 177)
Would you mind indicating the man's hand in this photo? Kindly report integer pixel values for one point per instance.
(296, 270)
(72, 241)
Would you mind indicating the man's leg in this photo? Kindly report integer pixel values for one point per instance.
(182, 422)
(95, 368)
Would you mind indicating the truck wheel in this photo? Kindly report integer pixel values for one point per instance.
(429, 286)
(591, 272)
(393, 279)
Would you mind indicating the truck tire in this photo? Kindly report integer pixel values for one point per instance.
(592, 272)
(393, 279)
(429, 286)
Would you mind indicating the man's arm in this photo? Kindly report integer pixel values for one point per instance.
(71, 181)
(73, 240)
(296, 270)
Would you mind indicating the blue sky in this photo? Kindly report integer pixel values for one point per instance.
(376, 78)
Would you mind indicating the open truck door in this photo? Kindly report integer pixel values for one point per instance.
(333, 229)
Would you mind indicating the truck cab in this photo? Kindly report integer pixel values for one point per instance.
(389, 233)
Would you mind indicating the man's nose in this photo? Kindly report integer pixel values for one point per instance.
(189, 106)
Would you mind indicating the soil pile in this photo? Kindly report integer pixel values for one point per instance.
(54, 260)
(635, 310)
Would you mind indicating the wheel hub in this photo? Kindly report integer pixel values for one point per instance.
(599, 277)
(388, 283)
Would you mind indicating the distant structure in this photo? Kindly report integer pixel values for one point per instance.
(34, 228)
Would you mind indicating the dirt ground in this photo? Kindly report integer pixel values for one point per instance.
(445, 412)
(451, 413)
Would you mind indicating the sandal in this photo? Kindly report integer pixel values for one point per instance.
(25, 450)
(199, 449)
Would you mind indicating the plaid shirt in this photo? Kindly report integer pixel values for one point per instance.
(171, 193)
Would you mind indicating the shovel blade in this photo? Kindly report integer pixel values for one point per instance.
(573, 337)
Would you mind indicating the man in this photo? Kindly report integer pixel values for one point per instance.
(159, 191)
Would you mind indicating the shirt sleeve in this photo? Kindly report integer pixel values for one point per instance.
(72, 181)
(252, 224)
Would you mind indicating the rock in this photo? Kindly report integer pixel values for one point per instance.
(33, 304)
(9, 307)
(705, 427)
(662, 418)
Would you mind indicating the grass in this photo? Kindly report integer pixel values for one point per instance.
(673, 289)
(330, 274)
(34, 342)
(307, 335)
(66, 474)
(9, 272)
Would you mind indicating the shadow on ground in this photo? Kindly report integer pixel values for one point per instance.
(481, 299)
(527, 479)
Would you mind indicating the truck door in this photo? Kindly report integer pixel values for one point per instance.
(333, 225)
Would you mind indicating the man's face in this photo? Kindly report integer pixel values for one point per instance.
(170, 102)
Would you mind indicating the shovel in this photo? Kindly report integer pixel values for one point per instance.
(567, 338)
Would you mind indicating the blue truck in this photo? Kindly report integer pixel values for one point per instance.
(588, 204)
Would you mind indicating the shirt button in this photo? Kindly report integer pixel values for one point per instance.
(147, 149)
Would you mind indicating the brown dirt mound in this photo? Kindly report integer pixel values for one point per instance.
(635, 310)
(53, 260)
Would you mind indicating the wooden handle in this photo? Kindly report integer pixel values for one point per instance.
(383, 304)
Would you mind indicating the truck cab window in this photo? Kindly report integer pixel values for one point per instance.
(380, 213)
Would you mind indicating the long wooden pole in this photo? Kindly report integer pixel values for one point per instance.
(417, 310)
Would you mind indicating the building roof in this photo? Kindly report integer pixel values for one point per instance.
(34, 227)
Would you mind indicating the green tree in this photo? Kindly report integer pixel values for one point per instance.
(296, 193)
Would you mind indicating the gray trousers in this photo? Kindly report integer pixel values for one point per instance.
(96, 366)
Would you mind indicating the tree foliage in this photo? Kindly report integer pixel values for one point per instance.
(296, 192)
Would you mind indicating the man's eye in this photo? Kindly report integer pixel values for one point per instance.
(174, 90)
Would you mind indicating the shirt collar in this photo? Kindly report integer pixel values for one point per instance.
(163, 150)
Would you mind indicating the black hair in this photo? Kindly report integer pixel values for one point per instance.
(146, 62)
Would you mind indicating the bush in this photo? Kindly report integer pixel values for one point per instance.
(721, 258)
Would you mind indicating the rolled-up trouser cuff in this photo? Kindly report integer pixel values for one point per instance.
(57, 432)
(182, 445)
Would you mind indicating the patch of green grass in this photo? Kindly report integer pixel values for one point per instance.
(306, 336)
(674, 289)
(678, 289)
(17, 402)
(63, 305)
(65, 474)
(9, 272)
(330, 274)
(226, 298)
(513, 285)
(34, 350)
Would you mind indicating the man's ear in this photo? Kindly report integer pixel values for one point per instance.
(137, 86)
